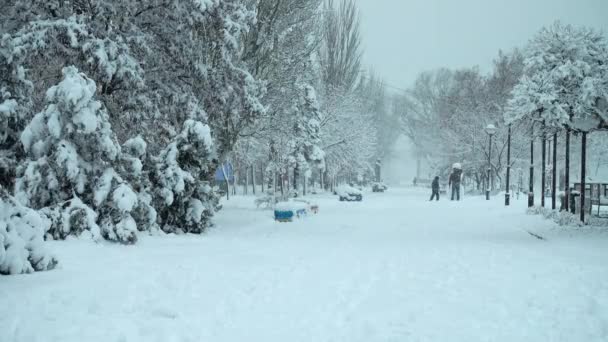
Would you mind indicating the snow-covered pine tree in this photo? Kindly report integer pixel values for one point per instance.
(306, 154)
(184, 196)
(232, 96)
(71, 150)
(38, 41)
(134, 168)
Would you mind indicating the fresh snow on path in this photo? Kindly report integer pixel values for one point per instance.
(392, 268)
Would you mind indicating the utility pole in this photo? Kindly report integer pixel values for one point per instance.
(554, 173)
(543, 175)
(583, 174)
(508, 193)
(531, 189)
(567, 171)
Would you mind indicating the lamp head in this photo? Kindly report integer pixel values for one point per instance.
(491, 129)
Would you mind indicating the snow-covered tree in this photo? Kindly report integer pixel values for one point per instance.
(133, 170)
(341, 52)
(184, 196)
(446, 111)
(564, 79)
(306, 154)
(71, 150)
(67, 143)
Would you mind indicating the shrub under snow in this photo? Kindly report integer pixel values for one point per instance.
(22, 248)
(182, 174)
(71, 217)
(73, 152)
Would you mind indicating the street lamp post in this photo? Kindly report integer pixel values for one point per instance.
(508, 193)
(531, 179)
(490, 130)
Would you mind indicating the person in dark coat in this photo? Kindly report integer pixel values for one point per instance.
(435, 188)
(454, 182)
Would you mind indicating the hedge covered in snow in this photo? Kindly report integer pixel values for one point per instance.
(22, 248)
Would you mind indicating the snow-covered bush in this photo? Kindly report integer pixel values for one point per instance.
(71, 217)
(133, 171)
(185, 199)
(566, 218)
(115, 200)
(22, 248)
(72, 150)
(66, 143)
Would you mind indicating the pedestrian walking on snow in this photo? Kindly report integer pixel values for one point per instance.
(454, 181)
(435, 188)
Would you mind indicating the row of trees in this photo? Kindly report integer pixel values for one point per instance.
(328, 120)
(446, 111)
(116, 114)
(564, 89)
(555, 87)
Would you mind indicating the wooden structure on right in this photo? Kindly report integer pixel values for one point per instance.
(596, 197)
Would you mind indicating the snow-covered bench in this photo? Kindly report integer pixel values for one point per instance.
(288, 210)
(311, 207)
(599, 202)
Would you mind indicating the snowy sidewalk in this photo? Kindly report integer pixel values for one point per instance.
(393, 268)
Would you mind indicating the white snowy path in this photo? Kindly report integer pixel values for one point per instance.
(393, 268)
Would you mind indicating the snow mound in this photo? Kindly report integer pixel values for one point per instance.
(291, 206)
(72, 217)
(22, 247)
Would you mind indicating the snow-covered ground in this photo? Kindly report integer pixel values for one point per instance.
(392, 268)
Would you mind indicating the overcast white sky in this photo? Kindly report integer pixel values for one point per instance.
(405, 37)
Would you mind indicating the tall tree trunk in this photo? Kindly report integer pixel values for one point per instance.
(567, 171)
(531, 189)
(263, 176)
(246, 185)
(253, 177)
(554, 174)
(321, 187)
(234, 182)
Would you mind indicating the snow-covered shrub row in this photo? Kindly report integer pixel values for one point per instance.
(566, 218)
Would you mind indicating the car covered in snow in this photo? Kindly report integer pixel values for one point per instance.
(349, 193)
(379, 187)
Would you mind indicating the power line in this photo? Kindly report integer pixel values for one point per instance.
(387, 84)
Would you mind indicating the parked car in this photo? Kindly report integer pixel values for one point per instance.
(349, 194)
(379, 187)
